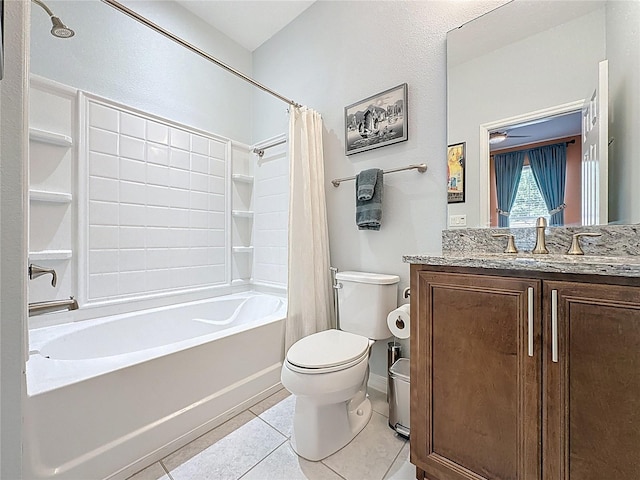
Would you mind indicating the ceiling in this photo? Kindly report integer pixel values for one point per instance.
(541, 130)
(250, 23)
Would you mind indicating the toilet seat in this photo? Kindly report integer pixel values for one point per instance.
(327, 351)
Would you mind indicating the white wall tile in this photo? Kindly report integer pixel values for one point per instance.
(103, 213)
(103, 237)
(199, 145)
(103, 189)
(179, 178)
(103, 117)
(199, 163)
(157, 154)
(154, 224)
(180, 159)
(217, 149)
(157, 132)
(132, 237)
(179, 139)
(133, 170)
(132, 125)
(132, 148)
(133, 192)
(132, 215)
(101, 165)
(102, 141)
(157, 175)
(103, 285)
(132, 259)
(103, 261)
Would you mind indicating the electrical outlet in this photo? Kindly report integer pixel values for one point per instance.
(458, 221)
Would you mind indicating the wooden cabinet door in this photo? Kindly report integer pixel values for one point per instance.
(592, 392)
(475, 391)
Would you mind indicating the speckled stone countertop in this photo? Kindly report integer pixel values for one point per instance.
(615, 253)
(574, 264)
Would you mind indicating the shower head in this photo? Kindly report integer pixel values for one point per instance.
(59, 29)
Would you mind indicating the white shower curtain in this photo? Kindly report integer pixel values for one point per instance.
(309, 279)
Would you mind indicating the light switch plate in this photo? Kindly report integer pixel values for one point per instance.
(458, 221)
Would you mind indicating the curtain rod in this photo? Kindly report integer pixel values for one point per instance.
(194, 49)
(260, 150)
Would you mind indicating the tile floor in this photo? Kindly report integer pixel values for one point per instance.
(254, 445)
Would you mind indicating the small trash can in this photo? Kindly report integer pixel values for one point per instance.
(399, 397)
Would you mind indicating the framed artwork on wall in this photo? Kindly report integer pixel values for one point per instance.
(455, 173)
(377, 121)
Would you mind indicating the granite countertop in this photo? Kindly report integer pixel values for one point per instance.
(627, 266)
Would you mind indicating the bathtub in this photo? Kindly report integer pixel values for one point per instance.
(107, 397)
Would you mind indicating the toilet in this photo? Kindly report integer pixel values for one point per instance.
(328, 371)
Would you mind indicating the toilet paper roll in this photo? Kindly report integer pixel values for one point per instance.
(399, 321)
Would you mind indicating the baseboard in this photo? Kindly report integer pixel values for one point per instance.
(377, 382)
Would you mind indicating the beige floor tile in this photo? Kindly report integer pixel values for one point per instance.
(285, 464)
(379, 402)
(153, 472)
(370, 454)
(280, 416)
(270, 401)
(402, 468)
(227, 452)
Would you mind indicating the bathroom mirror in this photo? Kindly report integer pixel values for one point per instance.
(509, 66)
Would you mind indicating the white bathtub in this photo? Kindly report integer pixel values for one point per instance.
(108, 396)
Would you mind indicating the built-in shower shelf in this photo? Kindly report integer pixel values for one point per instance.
(52, 138)
(240, 281)
(242, 213)
(49, 196)
(240, 178)
(242, 249)
(50, 255)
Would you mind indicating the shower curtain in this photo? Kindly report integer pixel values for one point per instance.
(309, 282)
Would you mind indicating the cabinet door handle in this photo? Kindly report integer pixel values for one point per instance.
(554, 326)
(530, 321)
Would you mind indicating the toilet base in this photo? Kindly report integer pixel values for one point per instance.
(321, 430)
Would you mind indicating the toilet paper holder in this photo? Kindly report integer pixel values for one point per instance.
(406, 293)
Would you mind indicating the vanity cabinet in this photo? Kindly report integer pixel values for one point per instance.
(490, 401)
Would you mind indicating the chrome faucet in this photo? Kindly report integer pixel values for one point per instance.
(36, 271)
(541, 247)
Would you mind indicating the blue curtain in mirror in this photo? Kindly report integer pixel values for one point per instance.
(508, 169)
(549, 168)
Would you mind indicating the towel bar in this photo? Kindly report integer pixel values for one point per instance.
(421, 167)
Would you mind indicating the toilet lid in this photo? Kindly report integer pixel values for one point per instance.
(327, 349)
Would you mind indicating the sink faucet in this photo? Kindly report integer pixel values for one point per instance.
(541, 247)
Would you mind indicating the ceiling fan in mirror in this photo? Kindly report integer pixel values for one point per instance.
(501, 136)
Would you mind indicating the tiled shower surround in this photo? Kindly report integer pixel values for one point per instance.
(157, 197)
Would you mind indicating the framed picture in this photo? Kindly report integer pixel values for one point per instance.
(376, 121)
(455, 173)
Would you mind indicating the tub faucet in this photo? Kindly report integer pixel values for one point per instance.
(36, 271)
(541, 246)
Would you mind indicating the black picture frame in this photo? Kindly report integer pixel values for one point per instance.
(456, 181)
(376, 121)
(1, 39)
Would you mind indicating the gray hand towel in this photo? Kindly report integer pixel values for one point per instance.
(365, 183)
(369, 212)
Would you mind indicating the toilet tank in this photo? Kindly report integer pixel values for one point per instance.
(364, 301)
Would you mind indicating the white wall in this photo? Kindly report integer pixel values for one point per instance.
(13, 237)
(337, 53)
(623, 52)
(114, 56)
(521, 77)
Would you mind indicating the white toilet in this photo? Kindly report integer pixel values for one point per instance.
(328, 371)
